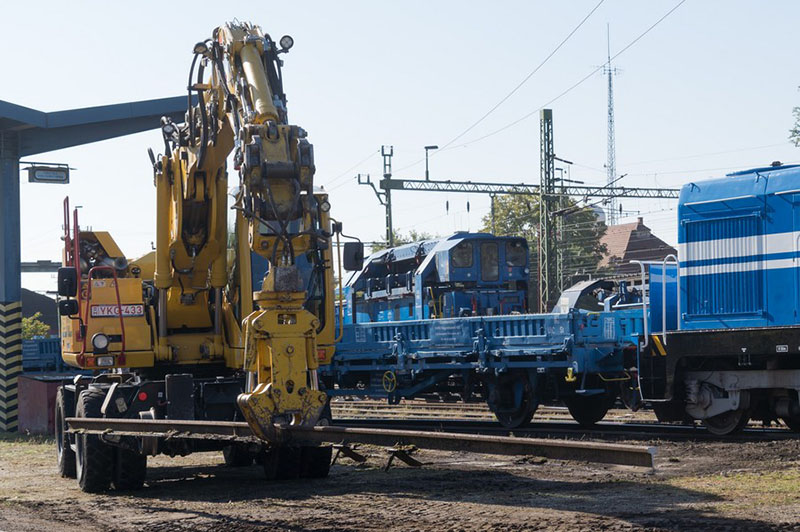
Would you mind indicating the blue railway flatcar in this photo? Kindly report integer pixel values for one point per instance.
(447, 318)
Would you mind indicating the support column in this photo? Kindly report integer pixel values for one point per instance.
(548, 264)
(10, 281)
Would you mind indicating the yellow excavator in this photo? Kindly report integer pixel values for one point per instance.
(213, 325)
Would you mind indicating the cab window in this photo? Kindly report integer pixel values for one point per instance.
(461, 256)
(516, 253)
(490, 270)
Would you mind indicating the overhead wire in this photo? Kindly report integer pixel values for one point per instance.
(785, 143)
(574, 85)
(529, 76)
(517, 87)
(344, 173)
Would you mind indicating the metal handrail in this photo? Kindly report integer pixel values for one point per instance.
(644, 302)
(664, 294)
(121, 356)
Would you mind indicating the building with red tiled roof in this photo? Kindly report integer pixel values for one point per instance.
(633, 241)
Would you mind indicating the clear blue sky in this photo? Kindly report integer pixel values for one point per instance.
(715, 76)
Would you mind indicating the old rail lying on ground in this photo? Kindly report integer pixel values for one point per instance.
(607, 453)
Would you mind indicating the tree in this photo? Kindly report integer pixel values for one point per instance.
(32, 327)
(581, 231)
(400, 239)
(794, 133)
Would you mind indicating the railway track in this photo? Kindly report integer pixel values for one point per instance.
(549, 422)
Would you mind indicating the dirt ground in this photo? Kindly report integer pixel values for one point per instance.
(695, 486)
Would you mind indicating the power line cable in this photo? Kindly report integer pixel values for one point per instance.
(573, 86)
(529, 76)
(785, 143)
(516, 88)
(359, 163)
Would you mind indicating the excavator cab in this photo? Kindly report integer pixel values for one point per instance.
(101, 303)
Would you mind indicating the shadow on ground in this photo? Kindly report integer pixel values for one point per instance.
(642, 503)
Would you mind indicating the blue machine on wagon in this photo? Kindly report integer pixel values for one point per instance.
(466, 274)
(732, 351)
(447, 318)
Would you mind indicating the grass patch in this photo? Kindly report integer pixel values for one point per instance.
(17, 437)
(748, 489)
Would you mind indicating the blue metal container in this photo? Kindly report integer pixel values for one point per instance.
(739, 249)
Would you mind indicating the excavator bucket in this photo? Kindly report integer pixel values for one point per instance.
(280, 347)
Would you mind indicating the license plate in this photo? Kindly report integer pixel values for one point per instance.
(112, 311)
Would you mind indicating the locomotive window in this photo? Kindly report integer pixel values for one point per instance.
(461, 255)
(490, 270)
(516, 254)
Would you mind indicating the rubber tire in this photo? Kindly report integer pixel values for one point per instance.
(130, 469)
(316, 461)
(64, 453)
(269, 461)
(589, 410)
(290, 462)
(95, 458)
(283, 463)
(236, 455)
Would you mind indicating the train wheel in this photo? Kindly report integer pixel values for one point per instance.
(589, 410)
(728, 422)
(65, 454)
(94, 457)
(512, 412)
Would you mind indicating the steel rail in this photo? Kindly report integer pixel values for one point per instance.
(605, 429)
(607, 453)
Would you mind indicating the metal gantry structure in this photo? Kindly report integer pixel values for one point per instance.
(385, 197)
(552, 198)
(549, 202)
(25, 132)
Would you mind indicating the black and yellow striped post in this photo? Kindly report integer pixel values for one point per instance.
(10, 363)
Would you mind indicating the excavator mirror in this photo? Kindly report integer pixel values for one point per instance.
(67, 281)
(353, 256)
(68, 307)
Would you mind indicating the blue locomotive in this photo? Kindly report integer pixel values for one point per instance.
(732, 352)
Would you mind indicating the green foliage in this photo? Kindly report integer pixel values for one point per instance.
(794, 133)
(518, 215)
(400, 239)
(32, 326)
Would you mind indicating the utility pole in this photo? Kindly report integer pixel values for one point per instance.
(548, 265)
(387, 152)
(611, 164)
(494, 228)
(385, 197)
(427, 149)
